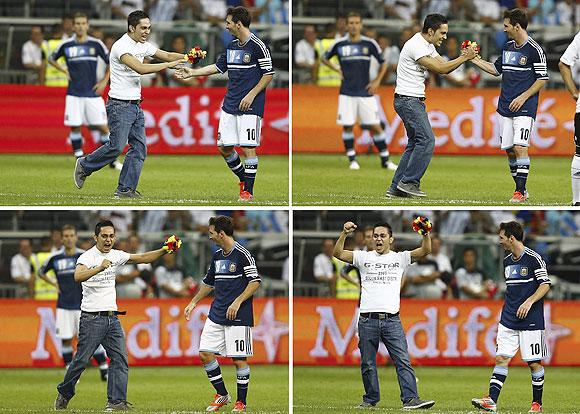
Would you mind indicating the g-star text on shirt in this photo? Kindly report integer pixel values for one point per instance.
(381, 266)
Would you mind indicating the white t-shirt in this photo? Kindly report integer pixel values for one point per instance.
(99, 291)
(304, 53)
(125, 82)
(172, 278)
(472, 280)
(31, 53)
(323, 267)
(570, 58)
(411, 75)
(20, 266)
(380, 276)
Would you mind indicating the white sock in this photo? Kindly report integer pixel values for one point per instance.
(575, 179)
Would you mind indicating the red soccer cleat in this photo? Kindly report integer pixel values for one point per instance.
(218, 402)
(518, 198)
(484, 403)
(535, 408)
(240, 407)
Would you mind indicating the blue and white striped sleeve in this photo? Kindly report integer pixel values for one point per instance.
(539, 61)
(540, 273)
(264, 57)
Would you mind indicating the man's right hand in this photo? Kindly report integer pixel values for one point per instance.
(188, 309)
(106, 263)
(349, 227)
(184, 73)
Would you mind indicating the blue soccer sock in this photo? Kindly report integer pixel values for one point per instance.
(348, 140)
(496, 382)
(76, 141)
(105, 138)
(243, 382)
(251, 169)
(235, 163)
(381, 145)
(67, 354)
(513, 168)
(523, 169)
(214, 374)
(538, 385)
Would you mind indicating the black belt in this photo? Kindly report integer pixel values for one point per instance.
(106, 313)
(378, 315)
(421, 98)
(133, 101)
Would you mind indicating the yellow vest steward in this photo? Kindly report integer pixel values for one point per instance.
(326, 76)
(345, 289)
(54, 77)
(42, 289)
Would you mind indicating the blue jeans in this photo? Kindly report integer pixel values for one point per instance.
(390, 332)
(126, 125)
(421, 144)
(95, 330)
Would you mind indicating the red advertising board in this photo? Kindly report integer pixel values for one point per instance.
(155, 330)
(177, 120)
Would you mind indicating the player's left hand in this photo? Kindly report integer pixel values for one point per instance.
(517, 103)
(246, 103)
(232, 311)
(524, 309)
(372, 87)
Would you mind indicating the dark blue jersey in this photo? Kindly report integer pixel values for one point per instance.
(520, 67)
(81, 61)
(70, 292)
(229, 275)
(355, 60)
(523, 276)
(246, 64)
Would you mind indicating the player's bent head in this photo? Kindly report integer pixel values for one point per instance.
(512, 228)
(222, 223)
(433, 21)
(101, 224)
(240, 14)
(515, 17)
(134, 19)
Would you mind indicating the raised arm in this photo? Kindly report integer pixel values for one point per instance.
(168, 56)
(339, 252)
(422, 251)
(145, 68)
(186, 73)
(485, 66)
(147, 257)
(438, 65)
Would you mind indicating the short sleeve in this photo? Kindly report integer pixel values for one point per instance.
(540, 272)
(460, 277)
(332, 51)
(405, 259)
(498, 63)
(221, 63)
(209, 278)
(358, 258)
(47, 266)
(103, 52)
(58, 53)
(375, 51)
(264, 59)
(570, 56)
(150, 50)
(250, 269)
(84, 259)
(419, 50)
(539, 62)
(122, 257)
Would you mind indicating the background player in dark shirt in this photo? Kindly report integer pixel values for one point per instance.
(249, 64)
(356, 99)
(233, 277)
(522, 317)
(522, 65)
(70, 294)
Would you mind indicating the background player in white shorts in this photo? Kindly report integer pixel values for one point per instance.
(249, 65)
(233, 277)
(84, 104)
(568, 59)
(522, 317)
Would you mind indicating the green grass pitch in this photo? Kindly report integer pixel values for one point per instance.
(335, 390)
(166, 180)
(151, 390)
(321, 180)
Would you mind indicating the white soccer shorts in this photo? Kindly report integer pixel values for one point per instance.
(67, 323)
(84, 111)
(239, 130)
(515, 131)
(532, 344)
(351, 108)
(229, 341)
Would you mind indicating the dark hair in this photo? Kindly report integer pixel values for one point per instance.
(386, 225)
(517, 16)
(340, 16)
(512, 228)
(470, 249)
(135, 17)
(353, 14)
(222, 223)
(240, 14)
(79, 15)
(68, 227)
(367, 228)
(433, 21)
(101, 224)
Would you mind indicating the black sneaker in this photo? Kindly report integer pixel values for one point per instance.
(118, 406)
(396, 193)
(104, 374)
(365, 405)
(411, 189)
(60, 403)
(127, 193)
(417, 403)
(79, 175)
(576, 204)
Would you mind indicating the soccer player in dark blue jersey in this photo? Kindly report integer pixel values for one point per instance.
(70, 294)
(249, 65)
(522, 317)
(84, 104)
(356, 99)
(233, 278)
(522, 65)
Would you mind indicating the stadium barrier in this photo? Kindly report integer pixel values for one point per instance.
(177, 120)
(438, 332)
(156, 332)
(464, 121)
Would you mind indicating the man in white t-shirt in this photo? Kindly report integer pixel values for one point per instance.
(323, 269)
(96, 269)
(381, 273)
(570, 58)
(417, 56)
(125, 116)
